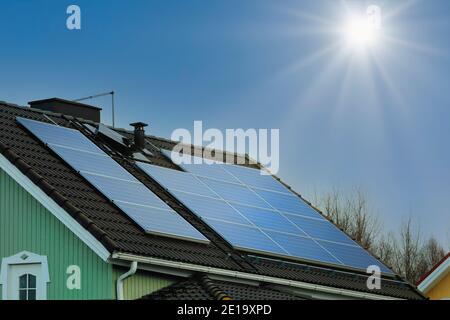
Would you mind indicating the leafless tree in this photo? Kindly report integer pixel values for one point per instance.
(448, 240)
(414, 255)
(352, 214)
(364, 225)
(431, 253)
(332, 205)
(409, 251)
(405, 252)
(387, 249)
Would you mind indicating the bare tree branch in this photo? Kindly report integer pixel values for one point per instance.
(406, 253)
(351, 213)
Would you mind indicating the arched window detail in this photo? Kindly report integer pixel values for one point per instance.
(24, 276)
(27, 287)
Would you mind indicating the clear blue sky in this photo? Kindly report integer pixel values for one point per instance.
(346, 119)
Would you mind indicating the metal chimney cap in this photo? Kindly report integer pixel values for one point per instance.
(138, 125)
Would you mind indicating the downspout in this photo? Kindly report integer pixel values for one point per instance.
(122, 278)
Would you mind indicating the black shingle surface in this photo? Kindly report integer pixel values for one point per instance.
(184, 290)
(205, 288)
(118, 233)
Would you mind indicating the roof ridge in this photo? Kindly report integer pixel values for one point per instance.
(60, 115)
(213, 289)
(167, 140)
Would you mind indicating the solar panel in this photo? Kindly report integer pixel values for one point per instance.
(304, 247)
(289, 203)
(160, 221)
(178, 181)
(211, 208)
(320, 229)
(229, 173)
(254, 178)
(113, 135)
(209, 171)
(269, 220)
(246, 237)
(86, 161)
(235, 193)
(52, 134)
(112, 180)
(124, 190)
(252, 213)
(353, 255)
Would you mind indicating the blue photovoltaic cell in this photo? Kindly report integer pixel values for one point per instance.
(177, 180)
(126, 191)
(213, 171)
(320, 229)
(245, 237)
(159, 221)
(97, 163)
(235, 193)
(210, 208)
(268, 219)
(111, 179)
(254, 178)
(288, 203)
(353, 256)
(302, 247)
(52, 134)
(200, 166)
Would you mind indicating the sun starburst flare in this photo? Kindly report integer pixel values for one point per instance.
(359, 33)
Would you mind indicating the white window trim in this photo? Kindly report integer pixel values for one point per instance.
(54, 208)
(26, 257)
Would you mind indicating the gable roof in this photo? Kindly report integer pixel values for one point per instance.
(119, 234)
(434, 275)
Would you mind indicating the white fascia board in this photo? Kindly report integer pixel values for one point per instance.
(64, 217)
(430, 281)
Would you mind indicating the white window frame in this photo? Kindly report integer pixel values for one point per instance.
(21, 258)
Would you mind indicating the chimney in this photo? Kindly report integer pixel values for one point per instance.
(67, 107)
(139, 135)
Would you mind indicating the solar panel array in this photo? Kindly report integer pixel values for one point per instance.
(112, 180)
(257, 213)
(251, 211)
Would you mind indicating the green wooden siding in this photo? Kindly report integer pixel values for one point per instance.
(26, 225)
(140, 284)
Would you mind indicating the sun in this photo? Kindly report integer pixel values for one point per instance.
(359, 33)
(353, 48)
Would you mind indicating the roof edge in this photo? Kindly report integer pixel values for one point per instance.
(435, 274)
(64, 101)
(251, 277)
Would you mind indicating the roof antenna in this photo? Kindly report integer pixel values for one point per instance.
(102, 95)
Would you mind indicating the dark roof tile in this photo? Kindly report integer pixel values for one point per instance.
(201, 287)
